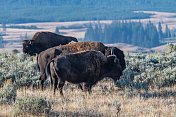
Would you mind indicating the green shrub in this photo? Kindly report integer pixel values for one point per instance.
(170, 48)
(23, 82)
(15, 51)
(152, 70)
(8, 94)
(19, 66)
(31, 105)
(142, 71)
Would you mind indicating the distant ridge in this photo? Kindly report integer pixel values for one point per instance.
(135, 49)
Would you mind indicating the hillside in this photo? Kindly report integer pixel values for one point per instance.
(15, 33)
(25, 11)
(135, 49)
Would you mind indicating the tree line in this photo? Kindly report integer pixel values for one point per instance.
(1, 41)
(25, 11)
(90, 2)
(135, 33)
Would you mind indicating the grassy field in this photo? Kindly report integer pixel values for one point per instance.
(147, 89)
(105, 100)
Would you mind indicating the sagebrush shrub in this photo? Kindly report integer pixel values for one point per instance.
(8, 93)
(170, 48)
(19, 66)
(31, 105)
(142, 70)
(150, 70)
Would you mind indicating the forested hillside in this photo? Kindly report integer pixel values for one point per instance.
(135, 33)
(20, 11)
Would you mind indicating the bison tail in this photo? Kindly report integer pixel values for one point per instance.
(37, 62)
(47, 70)
(54, 69)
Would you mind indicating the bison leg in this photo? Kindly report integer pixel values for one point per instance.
(61, 85)
(89, 89)
(51, 83)
(80, 86)
(42, 80)
(85, 87)
(88, 86)
(55, 83)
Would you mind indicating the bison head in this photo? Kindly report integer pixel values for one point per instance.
(112, 68)
(30, 47)
(119, 53)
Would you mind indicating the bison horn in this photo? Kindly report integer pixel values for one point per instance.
(30, 42)
(116, 60)
(112, 51)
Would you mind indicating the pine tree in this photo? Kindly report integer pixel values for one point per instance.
(25, 37)
(167, 32)
(57, 30)
(160, 31)
(1, 42)
(4, 28)
(89, 35)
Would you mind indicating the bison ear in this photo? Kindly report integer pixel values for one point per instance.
(107, 51)
(25, 41)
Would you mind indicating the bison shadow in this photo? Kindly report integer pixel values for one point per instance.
(88, 113)
(156, 94)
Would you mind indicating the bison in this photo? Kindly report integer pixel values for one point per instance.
(44, 57)
(87, 67)
(44, 40)
(47, 55)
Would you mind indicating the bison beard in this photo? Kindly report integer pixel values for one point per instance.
(85, 67)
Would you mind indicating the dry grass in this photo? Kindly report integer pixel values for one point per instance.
(104, 101)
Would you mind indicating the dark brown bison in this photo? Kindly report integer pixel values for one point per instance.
(87, 67)
(44, 40)
(44, 57)
(47, 55)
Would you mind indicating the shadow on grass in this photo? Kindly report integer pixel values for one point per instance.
(74, 114)
(156, 94)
